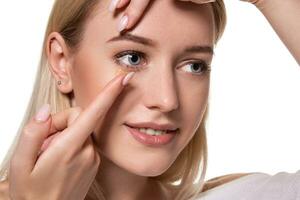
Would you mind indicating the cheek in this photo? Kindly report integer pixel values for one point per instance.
(194, 99)
(194, 95)
(90, 74)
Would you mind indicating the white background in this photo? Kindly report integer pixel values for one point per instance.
(254, 98)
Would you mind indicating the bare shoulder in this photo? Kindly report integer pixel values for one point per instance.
(217, 181)
(4, 188)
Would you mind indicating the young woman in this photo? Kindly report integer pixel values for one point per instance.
(107, 140)
(95, 141)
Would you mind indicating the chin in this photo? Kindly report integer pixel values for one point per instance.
(147, 171)
(147, 166)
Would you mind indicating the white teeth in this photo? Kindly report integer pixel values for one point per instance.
(150, 131)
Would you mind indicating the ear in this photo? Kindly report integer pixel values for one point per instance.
(60, 63)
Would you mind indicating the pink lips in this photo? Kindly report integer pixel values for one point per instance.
(153, 125)
(151, 140)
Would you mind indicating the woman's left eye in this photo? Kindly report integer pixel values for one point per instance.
(197, 68)
(131, 59)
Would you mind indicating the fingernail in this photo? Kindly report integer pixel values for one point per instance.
(113, 5)
(123, 23)
(43, 113)
(127, 78)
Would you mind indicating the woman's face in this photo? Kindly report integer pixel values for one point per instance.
(170, 85)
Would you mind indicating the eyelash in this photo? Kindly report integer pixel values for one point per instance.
(117, 59)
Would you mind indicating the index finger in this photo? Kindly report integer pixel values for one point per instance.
(83, 126)
(134, 12)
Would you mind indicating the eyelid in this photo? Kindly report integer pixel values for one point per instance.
(128, 52)
(192, 61)
(206, 70)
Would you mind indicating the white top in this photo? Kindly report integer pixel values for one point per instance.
(258, 186)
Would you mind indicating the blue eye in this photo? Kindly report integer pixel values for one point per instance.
(134, 60)
(131, 59)
(198, 68)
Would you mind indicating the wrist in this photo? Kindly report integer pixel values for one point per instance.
(260, 4)
(265, 4)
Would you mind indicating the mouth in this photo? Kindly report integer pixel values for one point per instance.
(166, 127)
(152, 137)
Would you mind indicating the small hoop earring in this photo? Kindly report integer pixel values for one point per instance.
(59, 82)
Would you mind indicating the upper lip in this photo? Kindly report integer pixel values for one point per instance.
(152, 125)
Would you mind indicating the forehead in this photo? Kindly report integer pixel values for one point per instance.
(167, 22)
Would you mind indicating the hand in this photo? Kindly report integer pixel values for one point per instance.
(283, 17)
(67, 167)
(257, 3)
(135, 9)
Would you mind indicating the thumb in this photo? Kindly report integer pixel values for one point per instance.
(32, 138)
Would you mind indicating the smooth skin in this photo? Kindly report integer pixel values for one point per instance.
(281, 15)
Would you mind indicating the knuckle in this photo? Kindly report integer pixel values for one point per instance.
(66, 158)
(29, 134)
(28, 131)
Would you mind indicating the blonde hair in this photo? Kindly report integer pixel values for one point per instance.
(68, 18)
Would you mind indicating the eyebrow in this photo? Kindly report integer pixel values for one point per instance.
(151, 43)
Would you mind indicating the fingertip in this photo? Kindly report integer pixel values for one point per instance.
(123, 24)
(133, 14)
(113, 5)
(127, 78)
(42, 114)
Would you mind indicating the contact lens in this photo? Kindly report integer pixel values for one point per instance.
(121, 71)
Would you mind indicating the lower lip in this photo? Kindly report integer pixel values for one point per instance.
(152, 140)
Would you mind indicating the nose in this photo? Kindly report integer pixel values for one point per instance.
(161, 91)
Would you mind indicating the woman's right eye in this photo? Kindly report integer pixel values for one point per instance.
(131, 59)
